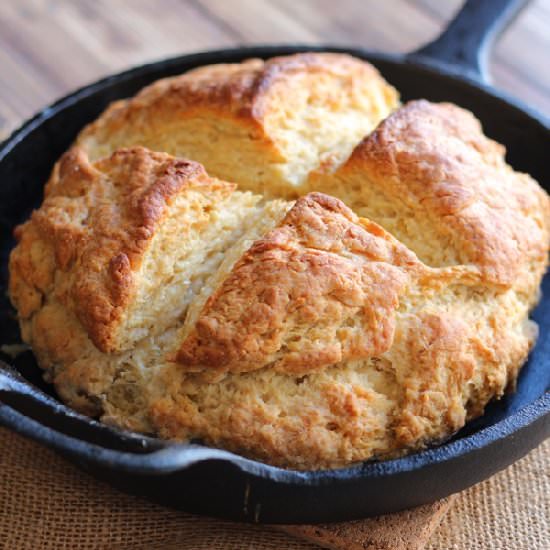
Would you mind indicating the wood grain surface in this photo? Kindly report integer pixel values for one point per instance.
(50, 47)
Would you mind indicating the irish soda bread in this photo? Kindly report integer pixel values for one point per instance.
(356, 284)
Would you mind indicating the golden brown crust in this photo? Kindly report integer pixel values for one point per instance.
(229, 88)
(320, 289)
(99, 220)
(436, 160)
(247, 90)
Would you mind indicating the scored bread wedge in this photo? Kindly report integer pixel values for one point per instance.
(134, 236)
(430, 177)
(318, 289)
(263, 124)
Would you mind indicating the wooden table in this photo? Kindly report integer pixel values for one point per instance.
(49, 47)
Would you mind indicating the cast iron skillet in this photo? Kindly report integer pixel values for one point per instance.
(203, 480)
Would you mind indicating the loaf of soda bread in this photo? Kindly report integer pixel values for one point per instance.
(275, 258)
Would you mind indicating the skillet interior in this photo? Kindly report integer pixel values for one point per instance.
(226, 485)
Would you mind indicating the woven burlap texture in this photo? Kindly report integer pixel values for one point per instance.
(46, 503)
(509, 511)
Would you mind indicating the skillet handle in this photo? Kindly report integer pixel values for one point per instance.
(465, 43)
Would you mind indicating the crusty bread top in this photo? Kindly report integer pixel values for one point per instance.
(435, 160)
(319, 289)
(101, 219)
(253, 90)
(281, 118)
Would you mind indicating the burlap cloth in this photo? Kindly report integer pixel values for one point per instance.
(46, 503)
